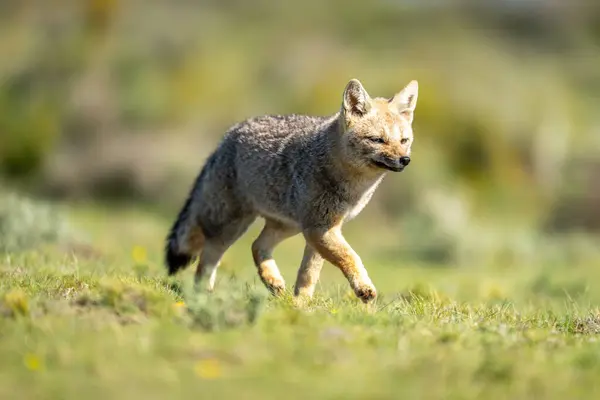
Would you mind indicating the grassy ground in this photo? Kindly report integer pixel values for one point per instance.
(97, 318)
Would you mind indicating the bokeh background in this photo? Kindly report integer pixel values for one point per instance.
(119, 102)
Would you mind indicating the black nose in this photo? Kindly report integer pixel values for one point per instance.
(404, 160)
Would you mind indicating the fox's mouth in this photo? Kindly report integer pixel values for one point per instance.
(394, 167)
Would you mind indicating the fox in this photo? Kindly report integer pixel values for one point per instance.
(301, 174)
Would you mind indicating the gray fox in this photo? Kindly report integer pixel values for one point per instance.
(302, 174)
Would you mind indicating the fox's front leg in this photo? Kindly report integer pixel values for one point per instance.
(308, 273)
(333, 247)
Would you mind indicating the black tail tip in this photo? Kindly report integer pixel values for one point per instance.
(176, 261)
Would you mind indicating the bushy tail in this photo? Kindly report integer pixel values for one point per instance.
(175, 257)
(176, 261)
(186, 238)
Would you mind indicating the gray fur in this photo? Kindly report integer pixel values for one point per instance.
(303, 174)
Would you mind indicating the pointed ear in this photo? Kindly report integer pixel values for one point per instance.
(406, 100)
(356, 99)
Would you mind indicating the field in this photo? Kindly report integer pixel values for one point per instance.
(94, 315)
(485, 253)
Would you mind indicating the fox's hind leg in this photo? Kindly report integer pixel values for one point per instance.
(215, 246)
(262, 251)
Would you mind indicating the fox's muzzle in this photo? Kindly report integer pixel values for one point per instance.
(393, 164)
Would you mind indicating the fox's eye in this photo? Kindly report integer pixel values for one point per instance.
(376, 139)
(404, 141)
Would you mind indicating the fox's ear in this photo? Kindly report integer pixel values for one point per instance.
(406, 100)
(356, 98)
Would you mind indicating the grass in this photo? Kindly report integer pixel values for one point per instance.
(96, 316)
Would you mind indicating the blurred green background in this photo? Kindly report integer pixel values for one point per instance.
(116, 101)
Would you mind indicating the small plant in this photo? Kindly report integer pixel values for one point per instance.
(25, 223)
(123, 298)
(223, 309)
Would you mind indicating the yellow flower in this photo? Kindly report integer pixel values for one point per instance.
(16, 300)
(492, 290)
(333, 311)
(33, 362)
(139, 254)
(179, 306)
(209, 368)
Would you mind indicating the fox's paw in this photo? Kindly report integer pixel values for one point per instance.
(272, 279)
(276, 288)
(304, 291)
(275, 285)
(366, 293)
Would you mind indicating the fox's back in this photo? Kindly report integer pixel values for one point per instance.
(270, 155)
(273, 132)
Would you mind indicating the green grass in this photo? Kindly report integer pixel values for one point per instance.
(96, 317)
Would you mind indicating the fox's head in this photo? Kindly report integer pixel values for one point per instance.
(377, 132)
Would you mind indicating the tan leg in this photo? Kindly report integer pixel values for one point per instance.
(308, 273)
(262, 251)
(334, 248)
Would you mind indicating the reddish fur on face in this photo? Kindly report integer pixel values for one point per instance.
(385, 113)
(383, 119)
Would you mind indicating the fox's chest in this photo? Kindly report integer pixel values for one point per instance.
(362, 201)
